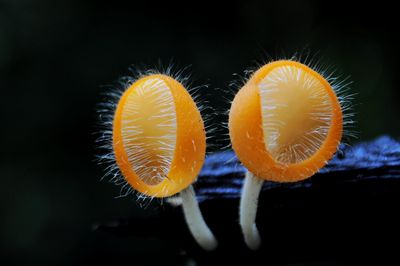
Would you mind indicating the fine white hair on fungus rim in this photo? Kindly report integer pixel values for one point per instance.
(106, 109)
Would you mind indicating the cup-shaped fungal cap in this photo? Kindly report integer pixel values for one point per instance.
(159, 139)
(285, 123)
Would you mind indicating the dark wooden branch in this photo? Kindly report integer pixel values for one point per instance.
(348, 208)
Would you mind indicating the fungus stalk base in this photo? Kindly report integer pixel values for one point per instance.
(195, 221)
(248, 210)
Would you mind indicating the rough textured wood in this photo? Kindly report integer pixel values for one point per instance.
(348, 209)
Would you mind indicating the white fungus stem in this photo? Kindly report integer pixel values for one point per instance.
(248, 210)
(195, 221)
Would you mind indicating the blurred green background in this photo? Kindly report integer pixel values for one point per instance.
(56, 55)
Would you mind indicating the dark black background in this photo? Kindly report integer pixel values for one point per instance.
(56, 55)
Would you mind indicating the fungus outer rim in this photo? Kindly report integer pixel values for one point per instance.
(178, 177)
(247, 134)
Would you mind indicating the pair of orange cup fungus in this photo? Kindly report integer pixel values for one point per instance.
(285, 123)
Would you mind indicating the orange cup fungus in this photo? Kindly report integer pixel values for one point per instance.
(285, 123)
(159, 139)
(159, 145)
